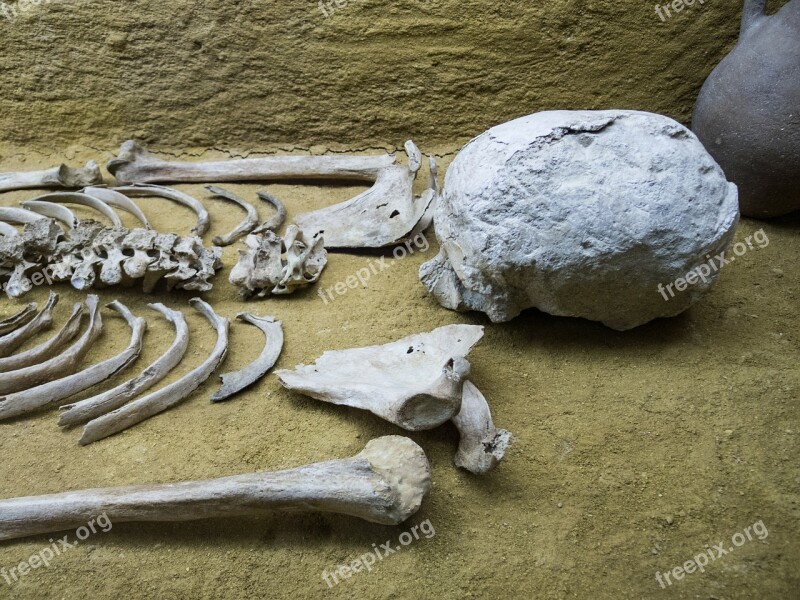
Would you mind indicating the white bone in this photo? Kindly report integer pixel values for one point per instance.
(166, 397)
(34, 398)
(18, 215)
(82, 200)
(52, 211)
(48, 348)
(481, 446)
(98, 405)
(57, 177)
(249, 223)
(385, 483)
(147, 191)
(415, 382)
(118, 200)
(8, 230)
(236, 381)
(16, 321)
(42, 321)
(275, 222)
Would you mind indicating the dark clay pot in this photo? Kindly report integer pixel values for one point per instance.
(748, 112)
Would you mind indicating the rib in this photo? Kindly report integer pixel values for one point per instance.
(118, 200)
(18, 320)
(274, 223)
(82, 200)
(52, 211)
(18, 215)
(8, 230)
(249, 223)
(46, 349)
(144, 191)
(42, 321)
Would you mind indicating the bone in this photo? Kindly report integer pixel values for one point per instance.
(236, 381)
(96, 406)
(18, 320)
(415, 382)
(118, 200)
(168, 396)
(149, 191)
(52, 211)
(82, 200)
(57, 177)
(31, 399)
(42, 321)
(47, 349)
(482, 446)
(385, 483)
(8, 230)
(136, 165)
(65, 363)
(275, 222)
(249, 223)
(382, 216)
(18, 215)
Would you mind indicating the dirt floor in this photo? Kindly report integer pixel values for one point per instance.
(633, 452)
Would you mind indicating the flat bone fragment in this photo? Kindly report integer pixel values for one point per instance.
(415, 382)
(118, 200)
(385, 483)
(148, 191)
(63, 364)
(166, 397)
(57, 177)
(136, 165)
(98, 405)
(236, 381)
(482, 446)
(42, 321)
(52, 211)
(382, 216)
(31, 399)
(275, 222)
(47, 349)
(18, 320)
(249, 223)
(81, 200)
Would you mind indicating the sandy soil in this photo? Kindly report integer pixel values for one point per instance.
(632, 451)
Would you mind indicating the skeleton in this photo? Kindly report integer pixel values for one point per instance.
(57, 177)
(47, 349)
(42, 321)
(235, 382)
(117, 200)
(52, 211)
(33, 398)
(249, 223)
(149, 191)
(271, 265)
(16, 321)
(166, 397)
(481, 446)
(98, 405)
(415, 382)
(384, 483)
(78, 198)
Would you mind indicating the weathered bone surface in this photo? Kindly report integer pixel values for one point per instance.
(118, 200)
(34, 398)
(581, 213)
(57, 177)
(274, 265)
(65, 363)
(236, 381)
(18, 320)
(8, 230)
(157, 191)
(23, 253)
(482, 446)
(80, 199)
(52, 211)
(42, 321)
(166, 397)
(249, 223)
(384, 483)
(415, 382)
(273, 223)
(98, 405)
(382, 216)
(10, 214)
(47, 349)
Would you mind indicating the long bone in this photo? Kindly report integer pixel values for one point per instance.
(57, 177)
(18, 320)
(52, 211)
(96, 406)
(249, 223)
(42, 321)
(236, 381)
(482, 446)
(48, 348)
(147, 191)
(82, 200)
(60, 365)
(385, 483)
(31, 399)
(117, 200)
(168, 396)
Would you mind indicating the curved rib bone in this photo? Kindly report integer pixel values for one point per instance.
(481, 446)
(93, 407)
(384, 483)
(18, 320)
(235, 381)
(160, 400)
(144, 191)
(46, 349)
(8, 230)
(82, 200)
(63, 364)
(118, 200)
(249, 223)
(18, 215)
(415, 382)
(57, 177)
(42, 321)
(274, 223)
(52, 211)
(37, 397)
